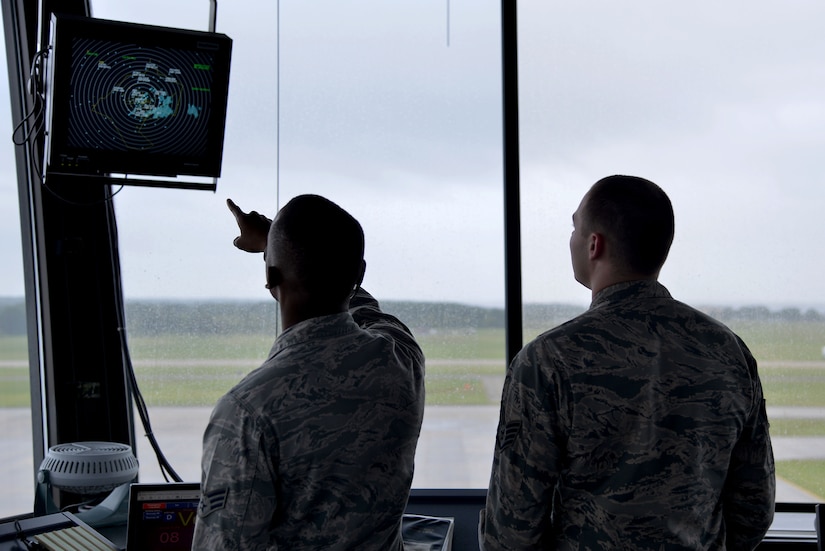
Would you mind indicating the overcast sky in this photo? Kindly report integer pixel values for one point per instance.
(393, 110)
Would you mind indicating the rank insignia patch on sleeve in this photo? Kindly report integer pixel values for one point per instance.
(509, 434)
(213, 501)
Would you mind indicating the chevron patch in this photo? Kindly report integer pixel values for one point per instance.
(213, 501)
(509, 434)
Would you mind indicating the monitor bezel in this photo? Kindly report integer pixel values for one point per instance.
(63, 158)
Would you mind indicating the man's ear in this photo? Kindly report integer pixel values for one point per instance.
(595, 246)
(273, 277)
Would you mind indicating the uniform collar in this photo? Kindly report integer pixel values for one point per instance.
(643, 288)
(313, 329)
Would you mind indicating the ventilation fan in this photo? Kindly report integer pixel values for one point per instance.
(89, 469)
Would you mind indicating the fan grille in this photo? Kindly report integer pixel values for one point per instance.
(90, 467)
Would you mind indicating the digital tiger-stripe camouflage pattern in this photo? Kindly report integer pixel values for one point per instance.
(314, 450)
(640, 424)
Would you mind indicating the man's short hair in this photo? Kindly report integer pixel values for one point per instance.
(325, 244)
(636, 217)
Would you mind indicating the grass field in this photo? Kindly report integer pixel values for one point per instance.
(196, 370)
(806, 475)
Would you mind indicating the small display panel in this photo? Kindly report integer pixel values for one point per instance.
(135, 99)
(162, 517)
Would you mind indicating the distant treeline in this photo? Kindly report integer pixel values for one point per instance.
(189, 317)
(147, 318)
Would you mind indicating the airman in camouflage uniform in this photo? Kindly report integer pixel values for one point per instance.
(314, 450)
(640, 424)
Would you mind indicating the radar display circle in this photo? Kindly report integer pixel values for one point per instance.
(130, 98)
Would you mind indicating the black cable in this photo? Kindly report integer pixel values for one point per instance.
(140, 404)
(35, 112)
(32, 125)
(29, 543)
(37, 125)
(77, 203)
(143, 413)
(36, 88)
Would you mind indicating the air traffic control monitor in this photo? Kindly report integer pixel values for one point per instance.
(135, 99)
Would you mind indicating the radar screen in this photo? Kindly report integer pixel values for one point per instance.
(135, 99)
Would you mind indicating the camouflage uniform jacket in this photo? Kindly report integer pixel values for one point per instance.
(315, 449)
(638, 425)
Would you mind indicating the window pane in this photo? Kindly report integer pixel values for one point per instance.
(392, 111)
(404, 130)
(197, 319)
(17, 478)
(731, 124)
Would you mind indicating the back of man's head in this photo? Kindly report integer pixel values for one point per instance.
(324, 245)
(636, 217)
